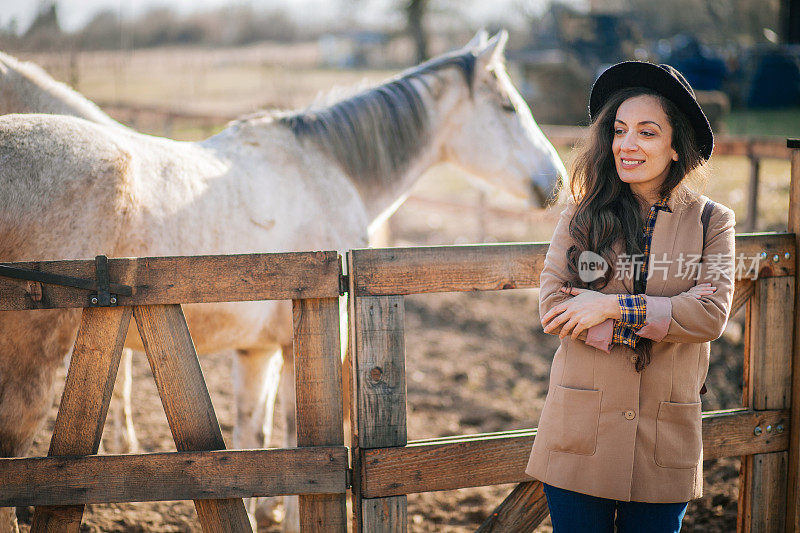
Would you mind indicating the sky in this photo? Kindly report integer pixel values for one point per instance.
(73, 14)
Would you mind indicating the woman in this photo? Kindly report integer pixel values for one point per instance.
(620, 432)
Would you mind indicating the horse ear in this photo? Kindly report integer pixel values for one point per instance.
(494, 49)
(479, 41)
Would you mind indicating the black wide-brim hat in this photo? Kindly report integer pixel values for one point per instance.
(663, 79)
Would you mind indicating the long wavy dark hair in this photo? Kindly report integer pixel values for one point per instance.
(607, 209)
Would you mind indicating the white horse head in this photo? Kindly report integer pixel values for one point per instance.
(458, 107)
(496, 120)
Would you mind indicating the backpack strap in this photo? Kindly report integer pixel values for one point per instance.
(704, 218)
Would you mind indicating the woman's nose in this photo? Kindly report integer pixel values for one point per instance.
(629, 143)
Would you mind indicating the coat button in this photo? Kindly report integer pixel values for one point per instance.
(630, 414)
(633, 359)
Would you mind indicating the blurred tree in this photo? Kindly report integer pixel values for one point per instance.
(102, 31)
(415, 13)
(45, 31)
(46, 19)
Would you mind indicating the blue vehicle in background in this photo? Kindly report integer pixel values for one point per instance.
(771, 77)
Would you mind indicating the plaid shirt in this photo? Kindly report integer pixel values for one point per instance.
(632, 306)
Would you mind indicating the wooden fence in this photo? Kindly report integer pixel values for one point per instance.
(386, 467)
(72, 475)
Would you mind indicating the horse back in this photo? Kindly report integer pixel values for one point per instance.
(62, 184)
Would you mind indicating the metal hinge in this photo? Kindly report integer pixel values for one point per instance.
(103, 296)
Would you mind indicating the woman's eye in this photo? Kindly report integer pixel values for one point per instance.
(618, 131)
(647, 133)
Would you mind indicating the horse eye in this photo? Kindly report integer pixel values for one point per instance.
(509, 107)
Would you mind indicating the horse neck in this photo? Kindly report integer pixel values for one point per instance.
(29, 91)
(382, 198)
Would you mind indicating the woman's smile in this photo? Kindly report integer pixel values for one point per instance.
(630, 163)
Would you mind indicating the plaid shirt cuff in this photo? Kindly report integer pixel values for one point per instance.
(624, 335)
(633, 310)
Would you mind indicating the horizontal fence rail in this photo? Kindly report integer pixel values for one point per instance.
(425, 269)
(303, 275)
(172, 476)
(496, 458)
(191, 279)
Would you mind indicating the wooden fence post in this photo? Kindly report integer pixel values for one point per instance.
(318, 380)
(768, 357)
(84, 404)
(768, 384)
(752, 198)
(793, 477)
(377, 341)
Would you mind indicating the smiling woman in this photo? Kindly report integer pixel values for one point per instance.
(619, 440)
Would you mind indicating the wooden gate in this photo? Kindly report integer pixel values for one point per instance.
(201, 470)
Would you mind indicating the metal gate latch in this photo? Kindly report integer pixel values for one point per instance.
(106, 295)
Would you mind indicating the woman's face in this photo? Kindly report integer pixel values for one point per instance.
(642, 144)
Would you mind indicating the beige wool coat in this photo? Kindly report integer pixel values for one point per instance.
(607, 430)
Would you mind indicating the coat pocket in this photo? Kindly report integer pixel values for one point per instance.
(679, 434)
(573, 420)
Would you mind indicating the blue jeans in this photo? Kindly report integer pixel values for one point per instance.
(573, 512)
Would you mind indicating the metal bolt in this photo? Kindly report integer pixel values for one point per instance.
(787, 255)
(775, 258)
(113, 300)
(763, 255)
(769, 428)
(779, 428)
(94, 300)
(757, 430)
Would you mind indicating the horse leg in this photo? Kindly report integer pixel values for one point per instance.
(123, 434)
(347, 370)
(32, 347)
(256, 374)
(291, 504)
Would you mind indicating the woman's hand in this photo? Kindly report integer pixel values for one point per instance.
(587, 309)
(701, 289)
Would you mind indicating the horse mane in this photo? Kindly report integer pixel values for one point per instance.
(377, 132)
(64, 100)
